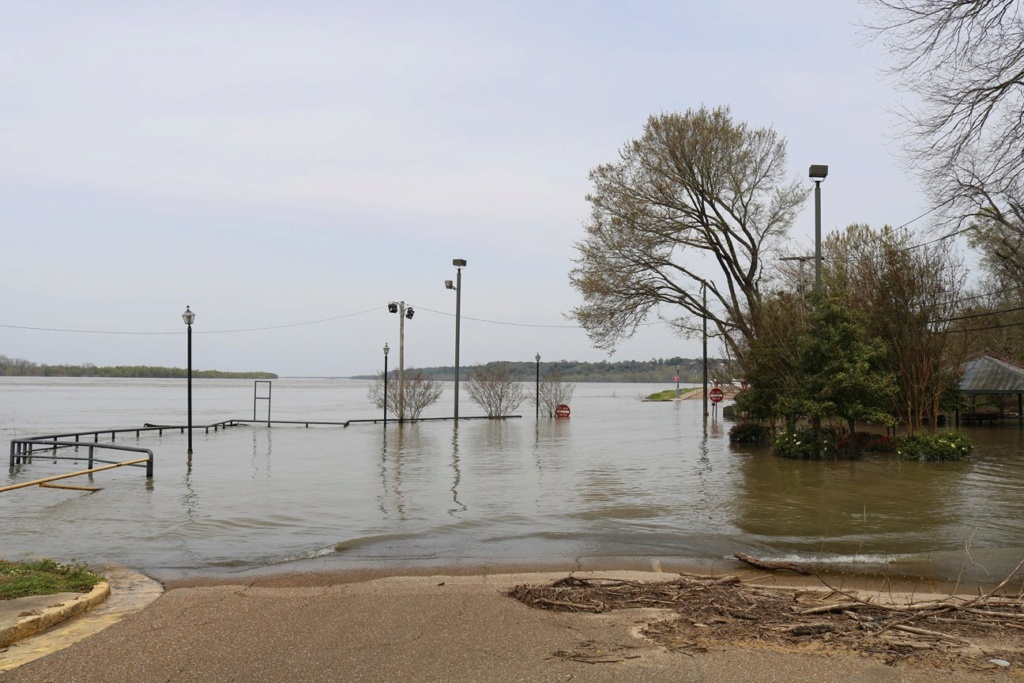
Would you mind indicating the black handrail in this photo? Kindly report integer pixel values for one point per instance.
(22, 452)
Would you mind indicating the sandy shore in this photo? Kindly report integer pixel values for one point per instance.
(377, 626)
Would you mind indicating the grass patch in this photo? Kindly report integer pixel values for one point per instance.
(44, 577)
(666, 395)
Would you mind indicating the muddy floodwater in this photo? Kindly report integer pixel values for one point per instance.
(622, 482)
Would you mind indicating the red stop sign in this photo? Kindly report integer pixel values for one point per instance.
(716, 394)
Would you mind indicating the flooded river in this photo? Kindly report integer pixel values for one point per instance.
(622, 482)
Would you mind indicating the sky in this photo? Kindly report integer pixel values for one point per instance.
(286, 169)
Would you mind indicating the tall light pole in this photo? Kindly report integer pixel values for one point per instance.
(403, 314)
(817, 173)
(189, 317)
(386, 349)
(704, 288)
(459, 264)
(537, 358)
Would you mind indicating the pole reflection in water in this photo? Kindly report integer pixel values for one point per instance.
(456, 473)
(267, 448)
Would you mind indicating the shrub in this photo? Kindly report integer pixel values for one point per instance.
(802, 444)
(934, 447)
(751, 432)
(864, 442)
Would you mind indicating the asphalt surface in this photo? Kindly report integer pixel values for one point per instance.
(328, 627)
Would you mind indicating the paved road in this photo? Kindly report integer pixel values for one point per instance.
(424, 629)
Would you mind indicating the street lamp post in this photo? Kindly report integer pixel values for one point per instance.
(459, 264)
(403, 314)
(189, 317)
(704, 293)
(386, 349)
(817, 173)
(537, 358)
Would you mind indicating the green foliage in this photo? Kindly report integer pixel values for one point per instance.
(865, 442)
(934, 447)
(44, 577)
(666, 395)
(803, 443)
(813, 362)
(751, 432)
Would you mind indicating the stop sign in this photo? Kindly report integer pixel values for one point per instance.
(716, 394)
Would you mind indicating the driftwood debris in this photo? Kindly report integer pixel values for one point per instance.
(773, 565)
(701, 611)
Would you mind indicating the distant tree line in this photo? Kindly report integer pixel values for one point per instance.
(19, 367)
(648, 372)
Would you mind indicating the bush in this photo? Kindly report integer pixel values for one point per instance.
(865, 442)
(802, 444)
(751, 432)
(934, 447)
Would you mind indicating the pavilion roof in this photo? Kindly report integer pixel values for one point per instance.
(988, 375)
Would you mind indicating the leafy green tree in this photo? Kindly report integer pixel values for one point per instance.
(841, 368)
(814, 363)
(910, 296)
(696, 191)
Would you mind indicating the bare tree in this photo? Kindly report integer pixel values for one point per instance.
(420, 392)
(964, 60)
(697, 192)
(554, 392)
(493, 388)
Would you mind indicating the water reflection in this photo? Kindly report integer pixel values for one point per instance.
(266, 449)
(456, 473)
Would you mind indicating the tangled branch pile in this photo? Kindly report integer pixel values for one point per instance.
(982, 632)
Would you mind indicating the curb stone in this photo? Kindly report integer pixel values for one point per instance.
(37, 621)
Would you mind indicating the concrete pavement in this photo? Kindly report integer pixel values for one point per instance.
(326, 627)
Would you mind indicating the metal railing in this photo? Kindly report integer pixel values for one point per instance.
(23, 451)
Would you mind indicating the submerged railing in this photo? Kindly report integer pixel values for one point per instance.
(24, 450)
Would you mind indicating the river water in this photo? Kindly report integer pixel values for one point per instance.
(622, 482)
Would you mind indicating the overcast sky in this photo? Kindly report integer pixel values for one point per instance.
(274, 164)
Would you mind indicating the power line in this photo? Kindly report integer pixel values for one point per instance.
(501, 322)
(248, 329)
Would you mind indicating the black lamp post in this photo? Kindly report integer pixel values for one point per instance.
(537, 358)
(189, 317)
(459, 264)
(817, 173)
(386, 349)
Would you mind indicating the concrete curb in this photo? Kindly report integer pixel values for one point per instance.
(38, 621)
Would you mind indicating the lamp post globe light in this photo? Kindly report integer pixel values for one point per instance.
(459, 264)
(386, 349)
(403, 315)
(189, 317)
(817, 173)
